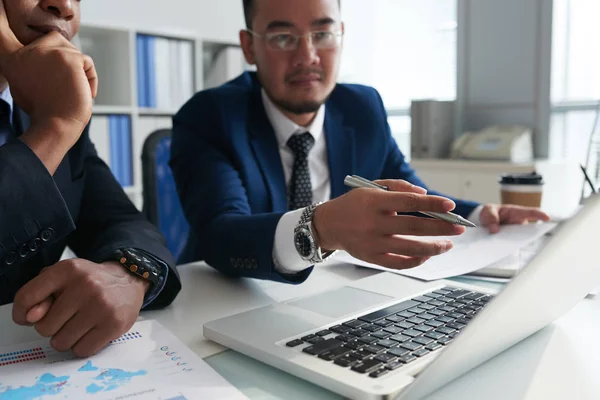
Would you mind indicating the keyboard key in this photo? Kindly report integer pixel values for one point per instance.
(436, 312)
(447, 308)
(416, 310)
(468, 317)
(433, 346)
(398, 352)
(360, 355)
(406, 325)
(463, 311)
(426, 306)
(415, 320)
(412, 346)
(400, 338)
(344, 338)
(371, 328)
(322, 347)
(445, 299)
(421, 352)
(453, 335)
(367, 366)
(384, 323)
(435, 303)
(427, 316)
(406, 314)
(478, 304)
(368, 339)
(374, 349)
(432, 295)
(453, 315)
(434, 323)
(315, 340)
(395, 318)
(445, 340)
(445, 330)
(308, 337)
(346, 361)
(469, 307)
(407, 359)
(475, 296)
(423, 340)
(450, 288)
(358, 332)
(423, 328)
(464, 301)
(355, 344)
(378, 373)
(463, 321)
(381, 334)
(385, 357)
(442, 292)
(396, 308)
(393, 330)
(434, 335)
(486, 299)
(354, 324)
(294, 343)
(422, 299)
(412, 333)
(340, 329)
(334, 353)
(394, 365)
(387, 343)
(458, 293)
(324, 333)
(444, 319)
(456, 326)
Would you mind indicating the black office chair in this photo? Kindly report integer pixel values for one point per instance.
(161, 201)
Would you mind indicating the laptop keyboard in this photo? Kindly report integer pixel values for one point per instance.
(394, 336)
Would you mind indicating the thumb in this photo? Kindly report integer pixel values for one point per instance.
(398, 185)
(39, 311)
(9, 44)
(490, 218)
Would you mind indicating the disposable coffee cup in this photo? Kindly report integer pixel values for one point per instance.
(522, 189)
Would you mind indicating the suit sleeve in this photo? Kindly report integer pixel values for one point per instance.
(108, 220)
(396, 166)
(229, 236)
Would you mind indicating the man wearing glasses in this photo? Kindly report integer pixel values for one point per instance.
(260, 162)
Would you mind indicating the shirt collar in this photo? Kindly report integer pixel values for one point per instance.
(7, 97)
(284, 127)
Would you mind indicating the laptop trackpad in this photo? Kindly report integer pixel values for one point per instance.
(340, 302)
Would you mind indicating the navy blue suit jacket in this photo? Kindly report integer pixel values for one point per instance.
(226, 164)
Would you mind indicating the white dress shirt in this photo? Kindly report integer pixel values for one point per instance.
(286, 258)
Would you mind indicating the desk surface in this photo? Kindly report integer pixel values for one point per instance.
(559, 362)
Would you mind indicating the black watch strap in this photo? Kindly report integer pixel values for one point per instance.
(138, 264)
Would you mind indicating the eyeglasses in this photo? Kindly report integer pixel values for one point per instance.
(286, 41)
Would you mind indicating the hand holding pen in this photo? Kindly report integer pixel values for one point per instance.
(366, 224)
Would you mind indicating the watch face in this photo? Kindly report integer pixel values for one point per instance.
(304, 243)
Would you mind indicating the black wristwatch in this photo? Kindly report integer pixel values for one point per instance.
(139, 264)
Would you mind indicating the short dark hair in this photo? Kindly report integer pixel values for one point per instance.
(249, 12)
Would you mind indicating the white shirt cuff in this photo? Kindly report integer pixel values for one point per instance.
(474, 217)
(285, 256)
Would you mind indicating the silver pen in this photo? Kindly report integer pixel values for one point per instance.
(356, 181)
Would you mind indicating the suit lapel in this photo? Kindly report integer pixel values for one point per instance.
(340, 150)
(266, 152)
(21, 121)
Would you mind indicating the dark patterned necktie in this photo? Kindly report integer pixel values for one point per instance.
(6, 131)
(300, 190)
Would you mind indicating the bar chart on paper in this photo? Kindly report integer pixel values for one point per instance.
(148, 363)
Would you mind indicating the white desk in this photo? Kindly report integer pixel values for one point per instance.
(560, 362)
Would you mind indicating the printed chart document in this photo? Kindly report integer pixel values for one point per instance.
(474, 250)
(148, 362)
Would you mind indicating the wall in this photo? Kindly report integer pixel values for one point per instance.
(218, 20)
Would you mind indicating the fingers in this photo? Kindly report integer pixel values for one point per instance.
(412, 247)
(39, 311)
(397, 185)
(91, 74)
(411, 202)
(417, 226)
(63, 309)
(395, 261)
(9, 44)
(518, 215)
(36, 291)
(93, 342)
(73, 331)
(490, 218)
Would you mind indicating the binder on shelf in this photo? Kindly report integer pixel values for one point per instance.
(150, 46)
(142, 80)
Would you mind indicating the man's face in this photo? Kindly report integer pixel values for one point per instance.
(32, 19)
(301, 79)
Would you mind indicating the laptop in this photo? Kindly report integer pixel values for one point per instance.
(389, 336)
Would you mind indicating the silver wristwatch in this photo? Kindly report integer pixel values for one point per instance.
(305, 239)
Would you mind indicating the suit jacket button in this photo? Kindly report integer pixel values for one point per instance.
(47, 234)
(11, 258)
(24, 250)
(34, 245)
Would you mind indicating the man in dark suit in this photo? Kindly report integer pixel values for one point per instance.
(254, 158)
(56, 192)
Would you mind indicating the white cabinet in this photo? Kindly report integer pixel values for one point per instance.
(478, 180)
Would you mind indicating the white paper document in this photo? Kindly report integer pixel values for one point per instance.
(474, 250)
(148, 362)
